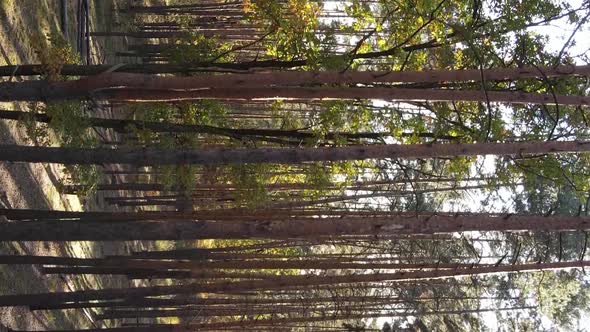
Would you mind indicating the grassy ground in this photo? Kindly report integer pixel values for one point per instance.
(24, 24)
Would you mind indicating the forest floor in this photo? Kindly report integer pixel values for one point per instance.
(23, 23)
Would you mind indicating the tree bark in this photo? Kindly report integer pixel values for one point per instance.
(280, 229)
(123, 126)
(200, 270)
(294, 93)
(275, 284)
(119, 86)
(150, 156)
(203, 302)
(131, 75)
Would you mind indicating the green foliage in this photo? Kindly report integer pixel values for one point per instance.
(53, 53)
(560, 295)
(340, 116)
(198, 49)
(459, 167)
(415, 35)
(334, 62)
(204, 112)
(284, 118)
(319, 177)
(287, 251)
(70, 128)
(86, 176)
(69, 121)
(251, 180)
(292, 26)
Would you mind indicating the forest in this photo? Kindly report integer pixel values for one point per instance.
(294, 165)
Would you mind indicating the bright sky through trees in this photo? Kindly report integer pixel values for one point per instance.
(313, 165)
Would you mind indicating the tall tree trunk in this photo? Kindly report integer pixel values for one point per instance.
(143, 68)
(212, 5)
(32, 93)
(433, 76)
(279, 229)
(199, 270)
(197, 301)
(124, 86)
(144, 157)
(124, 126)
(279, 283)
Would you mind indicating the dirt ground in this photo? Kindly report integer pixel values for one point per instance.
(34, 185)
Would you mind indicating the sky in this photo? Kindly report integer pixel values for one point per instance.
(558, 32)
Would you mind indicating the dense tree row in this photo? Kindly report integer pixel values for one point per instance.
(423, 163)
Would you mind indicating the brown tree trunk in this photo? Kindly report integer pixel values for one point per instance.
(31, 93)
(144, 157)
(204, 302)
(302, 78)
(121, 86)
(200, 270)
(124, 126)
(280, 229)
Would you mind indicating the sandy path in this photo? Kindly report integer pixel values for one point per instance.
(34, 185)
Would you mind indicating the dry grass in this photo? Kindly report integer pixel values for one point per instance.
(23, 25)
